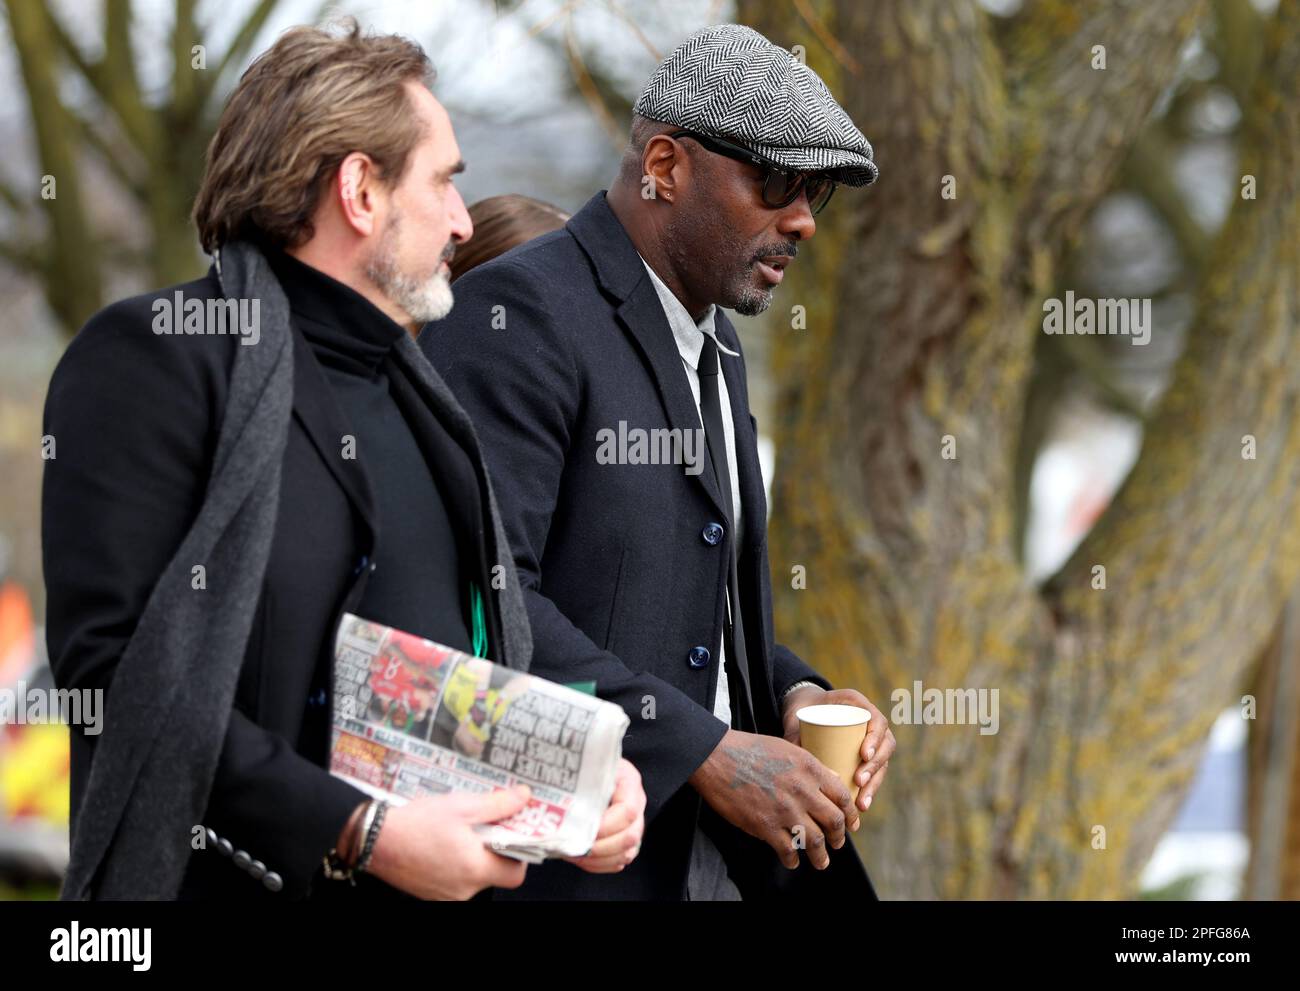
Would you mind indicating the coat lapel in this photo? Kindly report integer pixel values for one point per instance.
(620, 271)
(642, 314)
(324, 424)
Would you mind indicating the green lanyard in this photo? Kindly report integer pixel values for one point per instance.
(480, 623)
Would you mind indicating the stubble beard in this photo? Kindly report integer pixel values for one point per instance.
(738, 291)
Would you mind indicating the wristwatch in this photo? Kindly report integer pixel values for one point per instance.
(796, 686)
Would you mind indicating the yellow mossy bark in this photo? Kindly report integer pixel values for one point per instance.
(922, 316)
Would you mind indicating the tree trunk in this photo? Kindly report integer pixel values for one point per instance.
(921, 319)
(1273, 776)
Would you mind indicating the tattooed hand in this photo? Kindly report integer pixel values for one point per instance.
(877, 748)
(779, 793)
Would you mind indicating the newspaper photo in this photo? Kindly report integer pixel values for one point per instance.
(413, 717)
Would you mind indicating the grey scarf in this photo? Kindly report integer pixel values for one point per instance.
(174, 685)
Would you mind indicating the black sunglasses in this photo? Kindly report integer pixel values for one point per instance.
(781, 186)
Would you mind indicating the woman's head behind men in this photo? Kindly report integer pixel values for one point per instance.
(502, 223)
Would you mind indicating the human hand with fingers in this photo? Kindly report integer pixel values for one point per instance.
(877, 748)
(775, 791)
(622, 825)
(430, 847)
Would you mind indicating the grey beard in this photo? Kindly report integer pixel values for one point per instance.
(424, 300)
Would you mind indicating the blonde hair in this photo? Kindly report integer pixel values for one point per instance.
(303, 106)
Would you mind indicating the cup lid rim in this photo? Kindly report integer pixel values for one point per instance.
(833, 714)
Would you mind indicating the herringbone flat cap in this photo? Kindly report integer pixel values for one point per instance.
(729, 82)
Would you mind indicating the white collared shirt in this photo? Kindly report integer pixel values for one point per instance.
(689, 336)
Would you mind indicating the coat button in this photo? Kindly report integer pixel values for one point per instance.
(272, 882)
(699, 657)
(712, 534)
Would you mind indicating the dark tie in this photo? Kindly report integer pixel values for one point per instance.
(742, 703)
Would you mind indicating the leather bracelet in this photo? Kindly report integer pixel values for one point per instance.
(372, 826)
(340, 865)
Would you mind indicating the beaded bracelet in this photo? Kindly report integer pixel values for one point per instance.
(336, 866)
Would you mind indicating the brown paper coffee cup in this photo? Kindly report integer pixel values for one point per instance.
(834, 734)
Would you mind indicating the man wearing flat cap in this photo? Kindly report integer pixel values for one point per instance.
(591, 359)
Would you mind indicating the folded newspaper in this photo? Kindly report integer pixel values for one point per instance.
(412, 717)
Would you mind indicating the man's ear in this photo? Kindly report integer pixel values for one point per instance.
(354, 188)
(664, 161)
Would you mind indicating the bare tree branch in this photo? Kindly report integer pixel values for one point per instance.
(24, 257)
(1073, 120)
(237, 50)
(1237, 42)
(588, 87)
(113, 157)
(1148, 171)
(818, 27)
(185, 95)
(113, 77)
(10, 196)
(71, 251)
